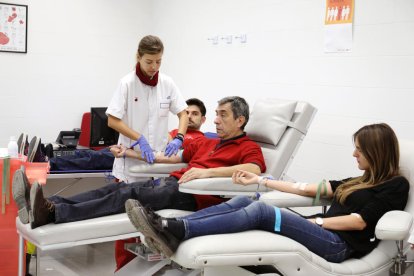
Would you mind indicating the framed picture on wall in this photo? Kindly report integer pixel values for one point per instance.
(13, 28)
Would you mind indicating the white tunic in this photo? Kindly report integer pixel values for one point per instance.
(145, 109)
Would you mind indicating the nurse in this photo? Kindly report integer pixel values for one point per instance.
(140, 107)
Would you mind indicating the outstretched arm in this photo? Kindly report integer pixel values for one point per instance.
(305, 189)
(195, 173)
(120, 151)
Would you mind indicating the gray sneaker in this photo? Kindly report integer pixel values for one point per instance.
(21, 194)
(129, 205)
(23, 144)
(34, 146)
(150, 226)
(35, 153)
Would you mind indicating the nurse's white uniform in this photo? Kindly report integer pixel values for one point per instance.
(145, 109)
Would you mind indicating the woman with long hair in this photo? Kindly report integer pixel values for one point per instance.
(347, 229)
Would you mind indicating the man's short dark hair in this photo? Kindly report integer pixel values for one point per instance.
(199, 103)
(239, 106)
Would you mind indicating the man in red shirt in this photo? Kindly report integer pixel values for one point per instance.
(206, 158)
(196, 112)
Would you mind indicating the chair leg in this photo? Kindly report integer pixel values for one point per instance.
(21, 253)
(400, 261)
(28, 258)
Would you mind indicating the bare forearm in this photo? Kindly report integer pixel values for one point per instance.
(304, 189)
(344, 223)
(183, 122)
(159, 158)
(228, 171)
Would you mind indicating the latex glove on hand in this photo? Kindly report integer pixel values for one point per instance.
(146, 150)
(173, 147)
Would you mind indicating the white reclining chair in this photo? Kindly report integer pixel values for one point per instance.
(224, 254)
(279, 126)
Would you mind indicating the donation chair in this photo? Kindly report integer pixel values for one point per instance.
(225, 254)
(279, 126)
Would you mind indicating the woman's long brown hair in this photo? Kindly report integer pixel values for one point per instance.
(379, 144)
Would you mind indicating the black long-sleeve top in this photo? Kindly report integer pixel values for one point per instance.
(371, 204)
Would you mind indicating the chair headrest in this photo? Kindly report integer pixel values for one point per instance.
(269, 119)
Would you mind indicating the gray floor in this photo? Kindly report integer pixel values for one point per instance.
(95, 259)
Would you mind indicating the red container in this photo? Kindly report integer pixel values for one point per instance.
(9, 242)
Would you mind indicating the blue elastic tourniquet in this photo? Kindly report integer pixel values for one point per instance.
(278, 219)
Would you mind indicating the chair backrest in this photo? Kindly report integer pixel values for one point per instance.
(279, 127)
(407, 169)
(84, 139)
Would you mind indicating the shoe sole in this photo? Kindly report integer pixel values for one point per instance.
(34, 144)
(139, 218)
(20, 189)
(33, 191)
(129, 205)
(129, 208)
(22, 143)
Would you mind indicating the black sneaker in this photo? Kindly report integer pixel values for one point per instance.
(43, 209)
(21, 194)
(23, 144)
(35, 153)
(150, 225)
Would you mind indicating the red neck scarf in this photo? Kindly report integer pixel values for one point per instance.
(147, 80)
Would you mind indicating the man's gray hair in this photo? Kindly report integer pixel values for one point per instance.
(239, 106)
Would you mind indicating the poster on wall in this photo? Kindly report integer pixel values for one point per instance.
(13, 28)
(339, 16)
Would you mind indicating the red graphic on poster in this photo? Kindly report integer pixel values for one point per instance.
(13, 27)
(4, 39)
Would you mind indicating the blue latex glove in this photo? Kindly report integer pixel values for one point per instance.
(146, 150)
(173, 147)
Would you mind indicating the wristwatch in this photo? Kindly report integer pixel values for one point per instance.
(319, 221)
(180, 136)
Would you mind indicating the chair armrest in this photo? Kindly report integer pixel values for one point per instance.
(155, 170)
(282, 199)
(218, 186)
(394, 225)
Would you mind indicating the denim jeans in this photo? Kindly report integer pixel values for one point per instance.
(110, 199)
(242, 214)
(83, 160)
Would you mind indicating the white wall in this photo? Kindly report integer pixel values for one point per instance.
(284, 58)
(78, 50)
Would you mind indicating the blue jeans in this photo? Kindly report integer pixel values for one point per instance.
(83, 160)
(110, 199)
(242, 214)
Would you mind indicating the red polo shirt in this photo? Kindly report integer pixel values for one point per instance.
(213, 153)
(189, 136)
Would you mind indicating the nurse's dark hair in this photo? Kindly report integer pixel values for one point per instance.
(379, 145)
(151, 45)
(239, 107)
(199, 104)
